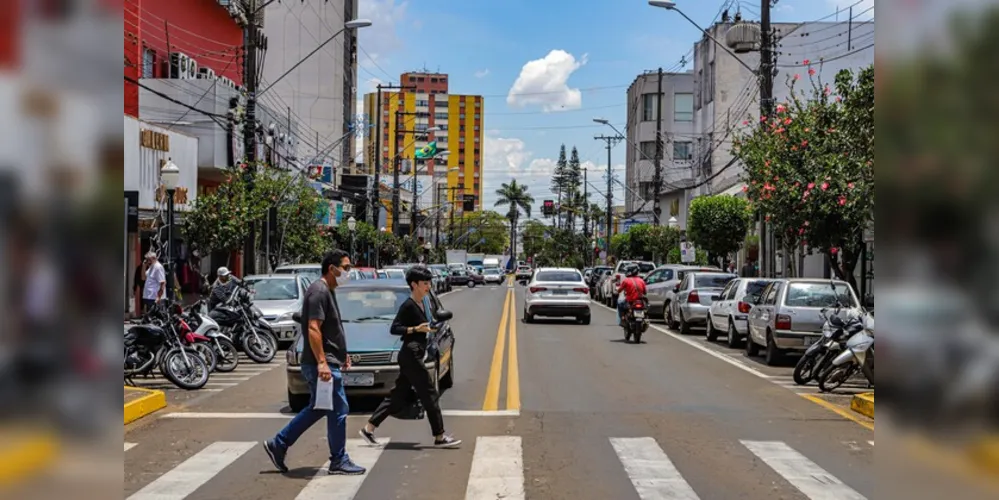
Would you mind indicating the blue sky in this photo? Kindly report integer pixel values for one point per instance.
(585, 54)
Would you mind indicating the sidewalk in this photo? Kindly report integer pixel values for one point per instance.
(863, 404)
(25, 452)
(142, 402)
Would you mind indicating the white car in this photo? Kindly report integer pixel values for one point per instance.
(557, 292)
(493, 276)
(729, 313)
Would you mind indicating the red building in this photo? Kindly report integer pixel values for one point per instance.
(202, 30)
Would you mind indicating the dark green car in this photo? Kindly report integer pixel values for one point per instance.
(367, 309)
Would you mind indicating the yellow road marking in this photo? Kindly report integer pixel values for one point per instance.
(496, 368)
(839, 411)
(513, 368)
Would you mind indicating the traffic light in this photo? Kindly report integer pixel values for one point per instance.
(548, 208)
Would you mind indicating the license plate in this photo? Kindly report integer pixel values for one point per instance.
(640, 314)
(359, 379)
(560, 292)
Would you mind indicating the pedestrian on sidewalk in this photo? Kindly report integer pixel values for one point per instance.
(324, 355)
(412, 324)
(155, 286)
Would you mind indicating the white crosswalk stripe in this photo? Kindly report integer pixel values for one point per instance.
(810, 479)
(218, 381)
(329, 487)
(497, 471)
(194, 472)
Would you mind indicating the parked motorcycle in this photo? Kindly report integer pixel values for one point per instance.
(150, 345)
(635, 321)
(226, 353)
(859, 355)
(818, 355)
(246, 326)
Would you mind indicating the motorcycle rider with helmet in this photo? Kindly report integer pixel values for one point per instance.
(222, 288)
(634, 290)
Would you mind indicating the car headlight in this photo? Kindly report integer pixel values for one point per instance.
(286, 316)
(395, 357)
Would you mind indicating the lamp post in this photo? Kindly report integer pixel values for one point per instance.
(672, 223)
(170, 177)
(427, 249)
(352, 226)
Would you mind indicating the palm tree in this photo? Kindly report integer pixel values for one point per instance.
(517, 198)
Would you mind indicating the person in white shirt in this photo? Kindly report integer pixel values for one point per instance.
(155, 287)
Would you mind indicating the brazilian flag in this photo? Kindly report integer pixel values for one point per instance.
(427, 152)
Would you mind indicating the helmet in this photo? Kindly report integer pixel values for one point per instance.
(631, 270)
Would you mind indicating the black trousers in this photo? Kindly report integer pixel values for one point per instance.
(413, 376)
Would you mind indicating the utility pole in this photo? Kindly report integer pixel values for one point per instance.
(250, 126)
(412, 209)
(767, 257)
(658, 179)
(396, 164)
(611, 141)
(586, 206)
(377, 157)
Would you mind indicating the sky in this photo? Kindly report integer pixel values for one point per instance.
(546, 68)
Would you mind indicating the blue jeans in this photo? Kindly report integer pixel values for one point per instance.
(622, 306)
(336, 420)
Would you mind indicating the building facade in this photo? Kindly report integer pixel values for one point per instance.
(678, 141)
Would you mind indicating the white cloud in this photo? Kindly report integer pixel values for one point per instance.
(382, 37)
(482, 73)
(544, 82)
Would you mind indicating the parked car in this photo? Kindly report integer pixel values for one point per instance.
(445, 274)
(598, 293)
(279, 296)
(594, 278)
(610, 285)
(459, 277)
(313, 271)
(788, 315)
(364, 273)
(367, 309)
(438, 282)
(493, 276)
(391, 274)
(729, 313)
(693, 297)
(475, 278)
(661, 284)
(557, 292)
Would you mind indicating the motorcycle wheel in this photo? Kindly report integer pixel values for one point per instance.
(832, 379)
(208, 354)
(190, 376)
(804, 371)
(260, 346)
(227, 355)
(638, 336)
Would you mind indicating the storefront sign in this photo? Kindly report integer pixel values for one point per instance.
(154, 140)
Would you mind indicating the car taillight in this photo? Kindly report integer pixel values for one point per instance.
(693, 298)
(745, 307)
(581, 290)
(536, 289)
(783, 322)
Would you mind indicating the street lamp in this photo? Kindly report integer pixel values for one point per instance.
(672, 223)
(671, 5)
(170, 177)
(352, 226)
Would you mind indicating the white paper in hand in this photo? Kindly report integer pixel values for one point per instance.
(324, 395)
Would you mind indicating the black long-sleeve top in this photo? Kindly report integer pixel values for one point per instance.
(410, 315)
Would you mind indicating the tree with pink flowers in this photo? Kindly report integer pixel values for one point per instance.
(809, 168)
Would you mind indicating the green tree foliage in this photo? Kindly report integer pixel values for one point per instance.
(718, 224)
(645, 242)
(533, 236)
(487, 232)
(517, 198)
(810, 167)
(219, 222)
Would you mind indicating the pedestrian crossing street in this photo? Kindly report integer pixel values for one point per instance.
(497, 470)
(218, 381)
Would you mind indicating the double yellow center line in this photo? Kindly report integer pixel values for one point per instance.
(508, 319)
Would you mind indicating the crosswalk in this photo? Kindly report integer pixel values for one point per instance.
(218, 381)
(497, 470)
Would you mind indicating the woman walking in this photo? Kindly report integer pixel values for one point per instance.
(411, 322)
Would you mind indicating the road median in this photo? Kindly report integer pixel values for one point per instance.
(863, 404)
(142, 402)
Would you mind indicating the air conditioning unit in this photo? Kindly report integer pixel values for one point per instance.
(192, 69)
(179, 64)
(206, 74)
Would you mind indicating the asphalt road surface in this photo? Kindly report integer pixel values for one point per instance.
(553, 410)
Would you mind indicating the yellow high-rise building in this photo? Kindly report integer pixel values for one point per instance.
(427, 106)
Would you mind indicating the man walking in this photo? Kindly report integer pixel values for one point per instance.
(323, 356)
(154, 288)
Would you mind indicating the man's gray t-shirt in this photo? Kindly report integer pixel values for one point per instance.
(320, 303)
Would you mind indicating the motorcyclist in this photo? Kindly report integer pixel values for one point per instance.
(222, 288)
(634, 290)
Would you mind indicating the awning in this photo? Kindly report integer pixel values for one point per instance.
(735, 190)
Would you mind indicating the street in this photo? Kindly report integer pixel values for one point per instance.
(574, 412)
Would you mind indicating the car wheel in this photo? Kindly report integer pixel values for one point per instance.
(448, 381)
(684, 327)
(752, 350)
(733, 335)
(471, 284)
(712, 334)
(585, 319)
(668, 316)
(773, 354)
(528, 317)
(297, 402)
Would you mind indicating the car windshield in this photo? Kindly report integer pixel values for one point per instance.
(364, 306)
(492, 272)
(548, 276)
(712, 280)
(753, 289)
(273, 288)
(393, 274)
(643, 267)
(818, 295)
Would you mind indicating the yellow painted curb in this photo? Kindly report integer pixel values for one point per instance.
(985, 454)
(863, 404)
(26, 457)
(151, 402)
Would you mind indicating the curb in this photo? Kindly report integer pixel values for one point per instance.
(26, 457)
(149, 403)
(863, 404)
(986, 455)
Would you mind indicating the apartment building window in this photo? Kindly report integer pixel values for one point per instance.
(710, 84)
(683, 107)
(461, 128)
(461, 116)
(649, 107)
(699, 90)
(478, 104)
(461, 103)
(648, 149)
(476, 139)
(422, 103)
(440, 104)
(433, 80)
(683, 151)
(476, 186)
(476, 128)
(476, 149)
(440, 116)
(148, 63)
(478, 116)
(461, 139)
(421, 127)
